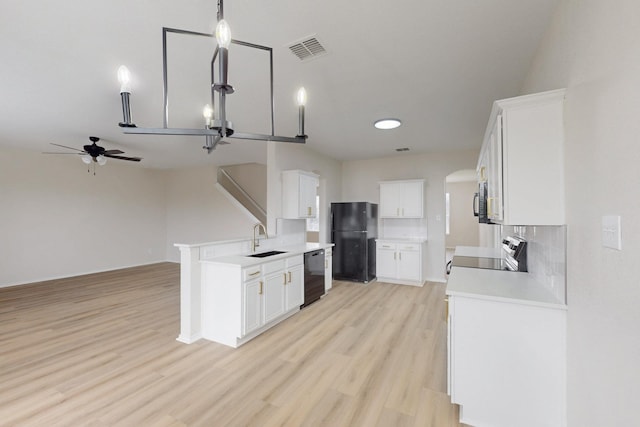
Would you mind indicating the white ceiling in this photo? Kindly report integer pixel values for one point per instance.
(435, 64)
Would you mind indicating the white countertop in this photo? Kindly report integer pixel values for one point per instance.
(499, 285)
(402, 239)
(478, 251)
(243, 261)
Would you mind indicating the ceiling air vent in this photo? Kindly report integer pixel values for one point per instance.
(402, 149)
(307, 48)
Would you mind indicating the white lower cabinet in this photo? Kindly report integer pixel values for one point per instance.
(252, 307)
(274, 294)
(328, 269)
(399, 262)
(506, 362)
(294, 287)
(238, 304)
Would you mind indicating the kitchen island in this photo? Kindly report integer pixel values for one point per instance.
(506, 348)
(199, 264)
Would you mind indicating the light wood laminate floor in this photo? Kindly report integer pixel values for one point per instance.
(100, 350)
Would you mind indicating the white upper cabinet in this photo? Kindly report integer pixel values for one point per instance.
(522, 160)
(402, 199)
(299, 190)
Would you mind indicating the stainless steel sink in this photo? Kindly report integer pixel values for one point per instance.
(266, 254)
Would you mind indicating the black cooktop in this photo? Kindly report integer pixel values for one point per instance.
(479, 262)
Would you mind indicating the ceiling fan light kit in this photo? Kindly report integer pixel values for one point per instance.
(216, 128)
(93, 153)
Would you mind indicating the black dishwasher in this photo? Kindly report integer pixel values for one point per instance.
(313, 276)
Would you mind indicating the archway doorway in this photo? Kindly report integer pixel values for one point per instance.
(461, 227)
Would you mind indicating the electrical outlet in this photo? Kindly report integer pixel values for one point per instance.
(611, 234)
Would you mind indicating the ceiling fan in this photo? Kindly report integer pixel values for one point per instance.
(95, 153)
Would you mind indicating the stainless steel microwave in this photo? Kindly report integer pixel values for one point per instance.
(480, 203)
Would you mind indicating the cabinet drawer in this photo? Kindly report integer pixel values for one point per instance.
(272, 266)
(409, 247)
(251, 273)
(386, 245)
(295, 260)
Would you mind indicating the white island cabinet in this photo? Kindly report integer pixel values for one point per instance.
(400, 261)
(328, 269)
(506, 350)
(240, 303)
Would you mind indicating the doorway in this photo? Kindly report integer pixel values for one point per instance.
(461, 227)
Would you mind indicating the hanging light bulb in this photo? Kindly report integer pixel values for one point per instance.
(207, 113)
(301, 99)
(124, 78)
(102, 160)
(223, 34)
(86, 159)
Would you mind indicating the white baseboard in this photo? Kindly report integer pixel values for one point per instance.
(47, 279)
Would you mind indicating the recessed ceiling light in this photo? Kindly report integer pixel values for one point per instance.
(387, 123)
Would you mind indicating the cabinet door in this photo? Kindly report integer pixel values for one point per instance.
(386, 261)
(307, 196)
(389, 200)
(412, 200)
(252, 307)
(294, 288)
(409, 265)
(328, 270)
(274, 287)
(494, 178)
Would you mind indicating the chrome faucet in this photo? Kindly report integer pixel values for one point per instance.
(255, 243)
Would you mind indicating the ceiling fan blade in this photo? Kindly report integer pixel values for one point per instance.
(132, 159)
(64, 146)
(113, 152)
(53, 152)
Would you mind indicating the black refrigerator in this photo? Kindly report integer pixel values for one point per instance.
(354, 229)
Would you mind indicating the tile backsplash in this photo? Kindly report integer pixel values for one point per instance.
(546, 255)
(402, 228)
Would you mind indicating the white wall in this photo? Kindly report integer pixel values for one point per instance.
(57, 220)
(283, 156)
(197, 212)
(464, 228)
(360, 183)
(593, 49)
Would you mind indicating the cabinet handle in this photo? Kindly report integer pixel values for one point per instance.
(285, 278)
(489, 207)
(289, 277)
(255, 273)
(397, 211)
(260, 291)
(309, 210)
(446, 301)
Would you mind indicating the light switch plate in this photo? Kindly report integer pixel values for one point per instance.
(611, 234)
